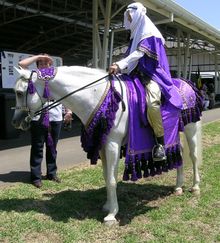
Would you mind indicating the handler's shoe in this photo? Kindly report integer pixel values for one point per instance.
(158, 153)
(54, 178)
(37, 184)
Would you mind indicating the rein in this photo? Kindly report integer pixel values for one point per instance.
(122, 95)
(56, 103)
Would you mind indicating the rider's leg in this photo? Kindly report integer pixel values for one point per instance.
(154, 116)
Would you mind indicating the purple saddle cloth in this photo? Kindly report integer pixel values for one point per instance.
(138, 153)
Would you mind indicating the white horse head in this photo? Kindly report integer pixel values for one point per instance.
(26, 104)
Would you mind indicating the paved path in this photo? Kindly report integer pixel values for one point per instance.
(14, 162)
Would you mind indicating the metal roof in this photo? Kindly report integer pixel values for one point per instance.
(186, 20)
(64, 28)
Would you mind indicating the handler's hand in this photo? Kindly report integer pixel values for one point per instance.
(45, 58)
(113, 69)
(68, 117)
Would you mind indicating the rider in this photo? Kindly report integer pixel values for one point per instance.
(146, 57)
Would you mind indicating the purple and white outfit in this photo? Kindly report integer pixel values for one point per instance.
(146, 55)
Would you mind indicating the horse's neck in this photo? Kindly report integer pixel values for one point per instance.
(83, 102)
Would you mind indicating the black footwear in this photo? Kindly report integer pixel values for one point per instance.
(55, 179)
(37, 184)
(158, 153)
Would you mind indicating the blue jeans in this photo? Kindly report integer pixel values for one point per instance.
(38, 138)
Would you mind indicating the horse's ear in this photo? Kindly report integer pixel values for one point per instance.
(22, 72)
(17, 71)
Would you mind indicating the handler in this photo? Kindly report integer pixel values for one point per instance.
(39, 133)
(146, 58)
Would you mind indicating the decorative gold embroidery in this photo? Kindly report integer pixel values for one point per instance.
(148, 52)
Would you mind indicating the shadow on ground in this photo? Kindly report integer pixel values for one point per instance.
(134, 200)
(16, 176)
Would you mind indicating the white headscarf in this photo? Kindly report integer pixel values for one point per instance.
(141, 27)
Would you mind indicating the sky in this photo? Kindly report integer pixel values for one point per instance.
(207, 10)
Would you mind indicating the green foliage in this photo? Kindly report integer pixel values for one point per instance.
(149, 212)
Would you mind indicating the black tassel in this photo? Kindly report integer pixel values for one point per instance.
(138, 168)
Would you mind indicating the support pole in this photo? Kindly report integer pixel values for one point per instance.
(217, 86)
(186, 56)
(190, 66)
(111, 47)
(106, 34)
(178, 55)
(95, 34)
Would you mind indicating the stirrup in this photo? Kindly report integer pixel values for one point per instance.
(159, 151)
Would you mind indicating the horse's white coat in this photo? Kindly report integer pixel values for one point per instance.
(83, 104)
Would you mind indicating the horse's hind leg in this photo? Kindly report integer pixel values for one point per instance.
(110, 171)
(194, 136)
(179, 181)
(185, 156)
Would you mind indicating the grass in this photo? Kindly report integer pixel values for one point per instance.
(149, 212)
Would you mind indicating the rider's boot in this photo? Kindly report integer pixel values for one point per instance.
(158, 152)
(154, 116)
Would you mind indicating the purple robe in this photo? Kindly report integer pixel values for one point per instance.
(155, 65)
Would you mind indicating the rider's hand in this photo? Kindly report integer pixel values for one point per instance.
(113, 69)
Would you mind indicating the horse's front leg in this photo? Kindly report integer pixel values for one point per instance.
(110, 170)
(104, 167)
(106, 206)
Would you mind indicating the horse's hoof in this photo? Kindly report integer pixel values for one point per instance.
(110, 220)
(178, 191)
(111, 223)
(195, 191)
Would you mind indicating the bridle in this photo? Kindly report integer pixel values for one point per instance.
(25, 108)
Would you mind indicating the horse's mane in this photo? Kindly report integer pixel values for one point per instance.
(82, 70)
